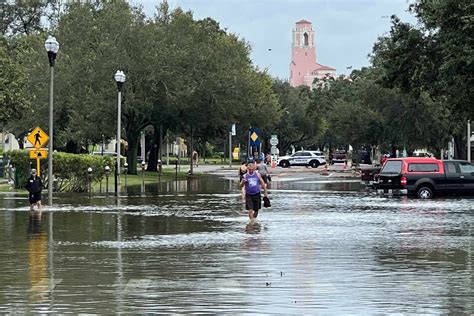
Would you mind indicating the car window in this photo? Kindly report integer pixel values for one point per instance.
(423, 167)
(298, 153)
(392, 166)
(450, 167)
(305, 154)
(466, 167)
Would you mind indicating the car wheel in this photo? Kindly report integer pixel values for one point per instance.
(314, 163)
(424, 193)
(284, 164)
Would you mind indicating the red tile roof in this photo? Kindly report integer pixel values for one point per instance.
(322, 67)
(303, 22)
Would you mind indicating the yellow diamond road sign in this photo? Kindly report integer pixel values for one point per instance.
(38, 154)
(254, 136)
(38, 138)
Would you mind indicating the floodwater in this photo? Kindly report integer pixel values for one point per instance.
(324, 247)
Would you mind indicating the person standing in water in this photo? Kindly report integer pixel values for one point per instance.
(252, 181)
(242, 172)
(263, 171)
(34, 187)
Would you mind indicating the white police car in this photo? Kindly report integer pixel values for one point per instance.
(301, 158)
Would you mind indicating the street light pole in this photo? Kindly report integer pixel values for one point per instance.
(107, 172)
(120, 79)
(52, 47)
(469, 140)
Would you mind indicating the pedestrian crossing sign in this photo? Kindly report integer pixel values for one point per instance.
(38, 138)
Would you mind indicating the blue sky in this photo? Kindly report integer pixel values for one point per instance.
(345, 29)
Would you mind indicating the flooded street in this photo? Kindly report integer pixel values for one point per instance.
(325, 246)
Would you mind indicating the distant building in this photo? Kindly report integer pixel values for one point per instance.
(303, 67)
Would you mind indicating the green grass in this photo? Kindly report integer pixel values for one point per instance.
(209, 161)
(6, 188)
(149, 177)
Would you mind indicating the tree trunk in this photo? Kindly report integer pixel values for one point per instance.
(133, 139)
(203, 152)
(153, 157)
(191, 165)
(460, 146)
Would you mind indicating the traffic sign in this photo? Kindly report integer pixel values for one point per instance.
(274, 150)
(38, 138)
(273, 140)
(38, 154)
(254, 137)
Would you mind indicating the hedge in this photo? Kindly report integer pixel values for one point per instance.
(70, 170)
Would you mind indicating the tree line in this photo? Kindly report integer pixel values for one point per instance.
(191, 77)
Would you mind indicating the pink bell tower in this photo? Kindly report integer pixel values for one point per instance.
(303, 67)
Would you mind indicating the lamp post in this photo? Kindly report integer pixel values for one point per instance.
(160, 168)
(52, 47)
(89, 173)
(120, 79)
(126, 173)
(143, 176)
(107, 172)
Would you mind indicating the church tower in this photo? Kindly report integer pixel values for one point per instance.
(303, 67)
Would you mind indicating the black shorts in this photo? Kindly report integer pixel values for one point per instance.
(34, 197)
(253, 202)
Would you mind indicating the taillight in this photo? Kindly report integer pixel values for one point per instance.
(403, 181)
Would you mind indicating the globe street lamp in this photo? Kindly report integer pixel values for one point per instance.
(107, 172)
(126, 173)
(52, 47)
(120, 79)
(89, 173)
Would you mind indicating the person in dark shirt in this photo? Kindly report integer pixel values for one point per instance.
(34, 187)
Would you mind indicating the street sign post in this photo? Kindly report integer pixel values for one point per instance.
(274, 140)
(38, 138)
(38, 154)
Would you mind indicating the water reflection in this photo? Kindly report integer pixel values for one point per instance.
(37, 258)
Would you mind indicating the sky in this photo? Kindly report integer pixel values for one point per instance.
(345, 29)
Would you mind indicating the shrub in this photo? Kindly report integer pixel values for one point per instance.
(70, 170)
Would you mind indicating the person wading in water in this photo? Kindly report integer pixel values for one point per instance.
(252, 181)
(34, 187)
(242, 172)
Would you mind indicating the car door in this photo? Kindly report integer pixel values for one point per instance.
(302, 159)
(296, 158)
(467, 176)
(454, 182)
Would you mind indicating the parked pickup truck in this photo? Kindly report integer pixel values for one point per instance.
(338, 156)
(426, 177)
(368, 175)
